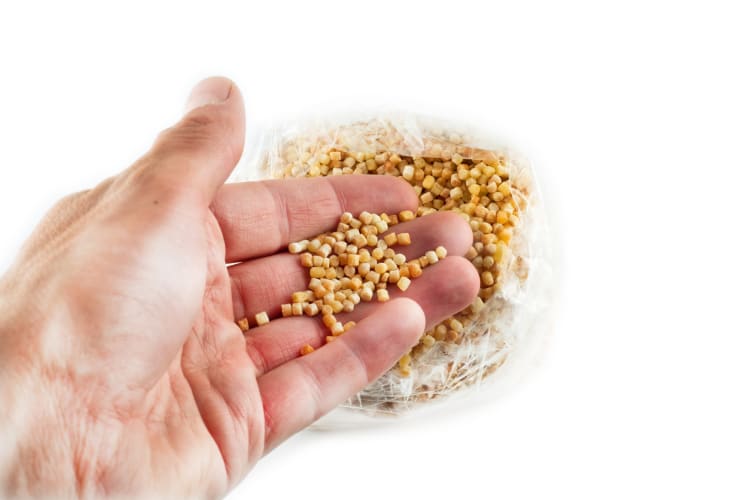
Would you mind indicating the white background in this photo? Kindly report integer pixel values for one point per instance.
(637, 117)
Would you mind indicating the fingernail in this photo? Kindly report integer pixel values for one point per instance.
(213, 90)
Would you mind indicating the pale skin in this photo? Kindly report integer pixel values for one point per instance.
(122, 370)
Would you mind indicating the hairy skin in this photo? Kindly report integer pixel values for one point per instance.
(122, 371)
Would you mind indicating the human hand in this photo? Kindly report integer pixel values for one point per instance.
(122, 371)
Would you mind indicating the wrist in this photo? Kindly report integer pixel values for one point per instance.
(52, 442)
(44, 429)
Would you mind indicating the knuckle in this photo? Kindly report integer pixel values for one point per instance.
(198, 129)
(204, 132)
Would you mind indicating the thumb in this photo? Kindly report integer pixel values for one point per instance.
(194, 157)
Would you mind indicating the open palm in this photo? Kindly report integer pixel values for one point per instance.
(147, 381)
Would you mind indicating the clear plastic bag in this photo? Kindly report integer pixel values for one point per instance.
(500, 336)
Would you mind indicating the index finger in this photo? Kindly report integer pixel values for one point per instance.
(260, 218)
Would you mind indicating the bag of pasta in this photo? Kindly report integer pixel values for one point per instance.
(449, 169)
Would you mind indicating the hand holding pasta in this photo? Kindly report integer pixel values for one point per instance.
(149, 340)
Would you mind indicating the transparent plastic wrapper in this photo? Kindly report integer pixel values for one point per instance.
(494, 188)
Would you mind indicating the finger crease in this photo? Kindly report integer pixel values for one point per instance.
(283, 211)
(256, 355)
(237, 291)
(361, 365)
(316, 388)
(340, 197)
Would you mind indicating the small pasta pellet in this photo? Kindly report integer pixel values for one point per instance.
(403, 283)
(261, 318)
(403, 238)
